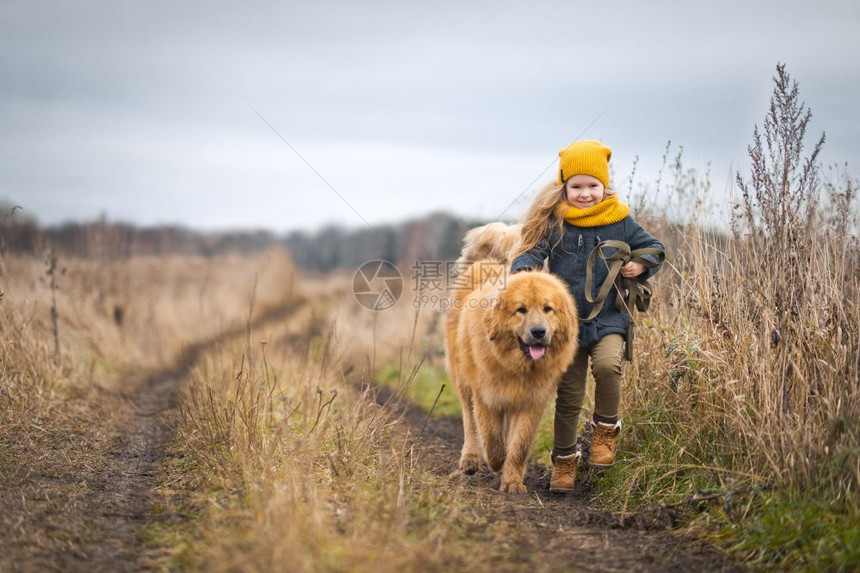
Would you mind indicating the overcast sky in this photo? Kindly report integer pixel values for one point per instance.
(148, 111)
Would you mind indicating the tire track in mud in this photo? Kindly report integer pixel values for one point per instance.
(122, 497)
(566, 531)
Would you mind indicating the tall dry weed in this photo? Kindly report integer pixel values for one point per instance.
(752, 358)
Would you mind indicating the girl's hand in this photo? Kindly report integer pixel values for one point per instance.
(632, 270)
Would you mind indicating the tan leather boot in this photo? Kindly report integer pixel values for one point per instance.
(603, 444)
(563, 473)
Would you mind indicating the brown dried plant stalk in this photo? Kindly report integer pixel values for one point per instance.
(51, 272)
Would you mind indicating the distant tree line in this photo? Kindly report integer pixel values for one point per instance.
(435, 237)
(438, 236)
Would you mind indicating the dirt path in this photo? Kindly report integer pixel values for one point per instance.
(84, 503)
(557, 532)
(123, 497)
(79, 497)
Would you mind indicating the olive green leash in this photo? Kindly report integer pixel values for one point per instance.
(632, 293)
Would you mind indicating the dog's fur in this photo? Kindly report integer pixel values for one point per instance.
(493, 351)
(496, 242)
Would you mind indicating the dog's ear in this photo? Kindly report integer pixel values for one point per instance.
(493, 319)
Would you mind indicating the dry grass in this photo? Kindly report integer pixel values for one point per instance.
(302, 472)
(277, 460)
(60, 413)
(746, 380)
(294, 468)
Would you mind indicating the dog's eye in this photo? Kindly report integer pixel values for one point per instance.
(547, 309)
(522, 310)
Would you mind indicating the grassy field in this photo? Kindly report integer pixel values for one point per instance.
(741, 411)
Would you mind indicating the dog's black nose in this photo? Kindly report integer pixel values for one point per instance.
(538, 332)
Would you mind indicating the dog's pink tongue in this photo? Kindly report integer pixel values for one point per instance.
(537, 352)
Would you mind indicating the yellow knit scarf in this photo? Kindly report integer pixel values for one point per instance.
(608, 211)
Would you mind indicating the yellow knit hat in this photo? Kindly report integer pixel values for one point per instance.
(586, 157)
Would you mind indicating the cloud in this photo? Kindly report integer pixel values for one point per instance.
(147, 111)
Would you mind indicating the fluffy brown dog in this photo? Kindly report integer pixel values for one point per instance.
(508, 339)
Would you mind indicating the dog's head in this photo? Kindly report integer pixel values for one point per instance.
(533, 315)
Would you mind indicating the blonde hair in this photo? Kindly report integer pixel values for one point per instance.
(542, 216)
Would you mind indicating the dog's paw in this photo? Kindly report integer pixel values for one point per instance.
(470, 464)
(513, 487)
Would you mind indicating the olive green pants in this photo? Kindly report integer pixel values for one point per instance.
(606, 366)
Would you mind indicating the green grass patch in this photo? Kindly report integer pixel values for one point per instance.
(423, 388)
(659, 463)
(542, 447)
(664, 462)
(794, 530)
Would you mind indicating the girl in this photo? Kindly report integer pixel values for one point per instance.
(565, 222)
